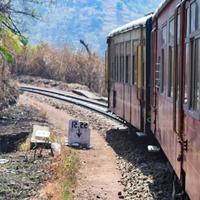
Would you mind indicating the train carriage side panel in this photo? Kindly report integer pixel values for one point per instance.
(119, 83)
(128, 85)
(137, 60)
(127, 77)
(163, 99)
(190, 19)
(116, 66)
(147, 75)
(111, 100)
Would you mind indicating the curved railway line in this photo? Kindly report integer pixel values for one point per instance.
(98, 107)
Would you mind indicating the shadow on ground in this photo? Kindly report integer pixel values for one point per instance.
(145, 175)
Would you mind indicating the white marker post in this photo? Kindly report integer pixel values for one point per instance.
(78, 134)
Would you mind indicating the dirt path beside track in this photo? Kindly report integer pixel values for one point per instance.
(98, 176)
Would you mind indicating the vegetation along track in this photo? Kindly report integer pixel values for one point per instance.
(95, 106)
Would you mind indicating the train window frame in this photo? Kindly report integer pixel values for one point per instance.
(116, 63)
(114, 98)
(171, 58)
(194, 104)
(127, 62)
(122, 62)
(132, 63)
(191, 41)
(126, 70)
(193, 23)
(135, 44)
(163, 58)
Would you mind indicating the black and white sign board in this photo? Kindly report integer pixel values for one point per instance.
(78, 134)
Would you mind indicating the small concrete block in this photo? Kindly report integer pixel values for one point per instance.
(153, 149)
(40, 134)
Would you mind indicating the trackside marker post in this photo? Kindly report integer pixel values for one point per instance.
(78, 134)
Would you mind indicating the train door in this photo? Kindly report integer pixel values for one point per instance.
(177, 89)
(140, 80)
(147, 75)
(154, 78)
(191, 100)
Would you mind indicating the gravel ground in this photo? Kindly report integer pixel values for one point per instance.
(144, 175)
(21, 176)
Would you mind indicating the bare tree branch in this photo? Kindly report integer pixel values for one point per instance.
(86, 47)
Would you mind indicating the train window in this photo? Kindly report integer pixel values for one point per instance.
(171, 32)
(170, 71)
(120, 66)
(188, 22)
(115, 68)
(122, 61)
(114, 98)
(195, 79)
(198, 14)
(134, 62)
(171, 59)
(128, 50)
(112, 67)
(193, 17)
(187, 64)
(127, 72)
(164, 36)
(115, 63)
(192, 71)
(163, 58)
(123, 69)
(162, 71)
(118, 62)
(178, 29)
(177, 59)
(133, 69)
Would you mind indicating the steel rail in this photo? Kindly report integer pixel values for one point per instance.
(66, 95)
(79, 102)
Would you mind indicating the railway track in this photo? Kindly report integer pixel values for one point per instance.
(98, 107)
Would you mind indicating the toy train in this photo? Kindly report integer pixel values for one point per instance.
(154, 83)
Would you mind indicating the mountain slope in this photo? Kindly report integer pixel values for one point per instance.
(68, 21)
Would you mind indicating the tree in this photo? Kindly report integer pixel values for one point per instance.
(11, 39)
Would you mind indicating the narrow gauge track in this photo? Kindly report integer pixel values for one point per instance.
(66, 95)
(97, 107)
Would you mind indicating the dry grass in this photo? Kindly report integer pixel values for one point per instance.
(63, 65)
(25, 146)
(65, 168)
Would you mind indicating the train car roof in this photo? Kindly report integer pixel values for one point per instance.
(161, 7)
(131, 25)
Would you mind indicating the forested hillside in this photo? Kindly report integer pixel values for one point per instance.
(68, 21)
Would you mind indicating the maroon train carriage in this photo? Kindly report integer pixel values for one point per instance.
(175, 83)
(129, 68)
(176, 88)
